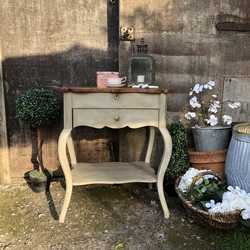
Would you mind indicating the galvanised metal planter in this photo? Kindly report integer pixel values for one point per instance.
(238, 158)
(211, 138)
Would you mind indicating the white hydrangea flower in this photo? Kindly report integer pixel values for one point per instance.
(237, 104)
(190, 115)
(234, 105)
(216, 104)
(233, 199)
(211, 83)
(212, 109)
(209, 176)
(196, 88)
(212, 202)
(208, 205)
(194, 102)
(207, 87)
(245, 214)
(187, 179)
(212, 121)
(227, 119)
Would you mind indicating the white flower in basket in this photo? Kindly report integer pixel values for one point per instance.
(234, 199)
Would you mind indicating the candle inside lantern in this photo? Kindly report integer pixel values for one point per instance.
(140, 78)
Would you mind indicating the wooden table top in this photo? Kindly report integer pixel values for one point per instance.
(69, 89)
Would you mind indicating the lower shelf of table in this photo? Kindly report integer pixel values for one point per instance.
(112, 173)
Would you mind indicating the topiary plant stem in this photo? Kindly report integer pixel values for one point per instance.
(40, 149)
(34, 141)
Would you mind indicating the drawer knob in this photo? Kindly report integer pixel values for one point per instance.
(116, 97)
(117, 118)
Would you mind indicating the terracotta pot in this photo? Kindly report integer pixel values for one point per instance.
(212, 160)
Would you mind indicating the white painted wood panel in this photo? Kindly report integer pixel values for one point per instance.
(67, 105)
(98, 110)
(115, 118)
(112, 173)
(124, 100)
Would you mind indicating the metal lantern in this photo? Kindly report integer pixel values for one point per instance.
(141, 65)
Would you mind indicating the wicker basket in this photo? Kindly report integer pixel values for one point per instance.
(98, 150)
(223, 221)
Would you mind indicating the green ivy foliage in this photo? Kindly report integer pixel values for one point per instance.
(38, 107)
(179, 162)
(208, 189)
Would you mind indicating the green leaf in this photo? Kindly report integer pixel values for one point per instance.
(179, 162)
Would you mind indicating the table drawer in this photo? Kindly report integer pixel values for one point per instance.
(115, 118)
(113, 100)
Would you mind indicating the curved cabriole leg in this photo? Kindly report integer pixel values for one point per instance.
(150, 148)
(71, 149)
(162, 169)
(62, 153)
(150, 144)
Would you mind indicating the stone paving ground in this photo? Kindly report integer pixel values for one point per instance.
(104, 217)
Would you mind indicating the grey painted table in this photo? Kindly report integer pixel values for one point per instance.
(114, 108)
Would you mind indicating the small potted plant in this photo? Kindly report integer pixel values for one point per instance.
(211, 128)
(37, 107)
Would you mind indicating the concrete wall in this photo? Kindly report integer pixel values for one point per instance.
(49, 43)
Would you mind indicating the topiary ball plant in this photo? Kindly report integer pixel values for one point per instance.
(179, 162)
(37, 107)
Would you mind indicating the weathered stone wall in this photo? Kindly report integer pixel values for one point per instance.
(65, 42)
(186, 46)
(185, 43)
(4, 152)
(49, 43)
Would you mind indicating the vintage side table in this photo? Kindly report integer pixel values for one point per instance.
(114, 108)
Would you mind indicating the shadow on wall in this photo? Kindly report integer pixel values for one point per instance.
(76, 66)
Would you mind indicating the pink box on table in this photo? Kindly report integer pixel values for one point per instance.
(103, 76)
